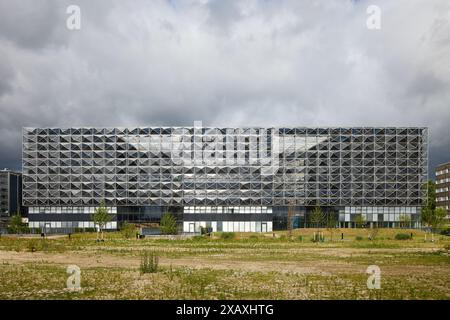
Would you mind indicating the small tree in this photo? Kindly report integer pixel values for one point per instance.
(439, 217)
(331, 223)
(317, 217)
(405, 221)
(433, 219)
(290, 218)
(15, 224)
(373, 231)
(431, 192)
(100, 218)
(360, 221)
(428, 212)
(427, 219)
(168, 224)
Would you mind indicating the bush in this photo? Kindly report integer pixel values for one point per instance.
(402, 236)
(359, 238)
(15, 224)
(149, 263)
(300, 238)
(80, 230)
(32, 245)
(18, 230)
(128, 230)
(168, 224)
(227, 235)
(445, 231)
(206, 230)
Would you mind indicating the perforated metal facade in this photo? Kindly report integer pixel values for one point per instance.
(195, 167)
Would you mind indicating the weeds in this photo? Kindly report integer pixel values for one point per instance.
(245, 266)
(149, 263)
(402, 236)
(227, 235)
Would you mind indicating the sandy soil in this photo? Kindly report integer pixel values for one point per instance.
(221, 261)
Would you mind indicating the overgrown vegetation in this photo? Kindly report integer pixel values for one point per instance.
(168, 224)
(149, 262)
(227, 235)
(101, 217)
(317, 217)
(405, 221)
(373, 232)
(243, 266)
(432, 218)
(402, 236)
(16, 225)
(128, 230)
(331, 223)
(360, 221)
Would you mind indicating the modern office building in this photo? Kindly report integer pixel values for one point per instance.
(10, 193)
(443, 187)
(230, 179)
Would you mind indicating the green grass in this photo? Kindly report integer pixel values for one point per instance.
(35, 281)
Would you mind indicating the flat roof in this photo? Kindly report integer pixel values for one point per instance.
(443, 164)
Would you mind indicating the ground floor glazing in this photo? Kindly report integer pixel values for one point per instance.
(227, 218)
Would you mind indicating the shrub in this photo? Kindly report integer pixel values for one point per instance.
(32, 245)
(227, 235)
(205, 230)
(359, 238)
(402, 236)
(128, 230)
(80, 230)
(149, 263)
(168, 224)
(300, 238)
(15, 224)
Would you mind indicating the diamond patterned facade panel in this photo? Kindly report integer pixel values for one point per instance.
(224, 167)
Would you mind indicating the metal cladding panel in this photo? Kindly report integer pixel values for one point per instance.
(195, 166)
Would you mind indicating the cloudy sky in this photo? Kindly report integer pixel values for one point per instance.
(225, 62)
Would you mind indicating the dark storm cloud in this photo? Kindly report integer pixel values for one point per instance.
(226, 63)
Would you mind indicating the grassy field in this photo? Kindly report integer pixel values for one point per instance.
(249, 266)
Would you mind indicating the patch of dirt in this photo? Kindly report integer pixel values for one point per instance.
(317, 266)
